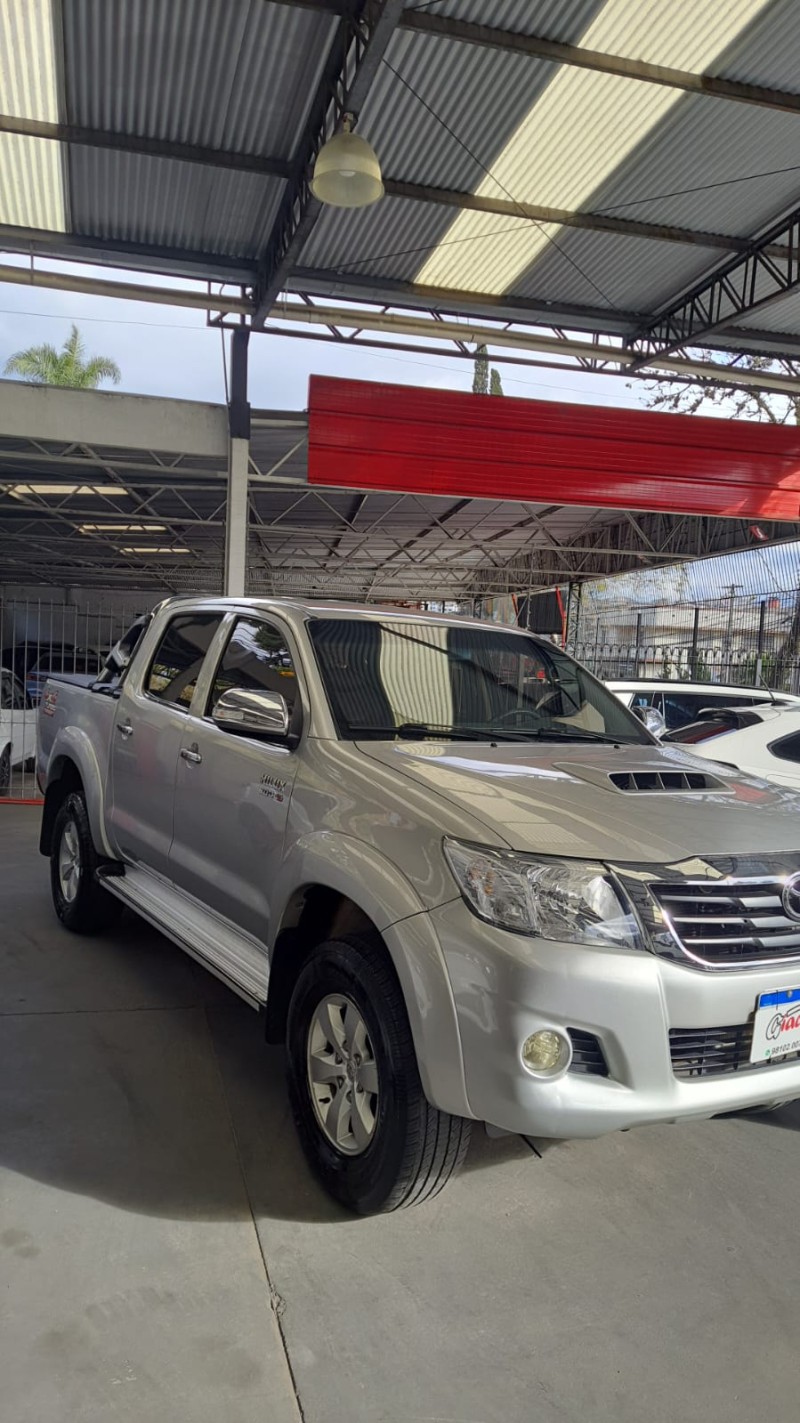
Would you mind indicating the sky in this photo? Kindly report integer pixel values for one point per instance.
(169, 350)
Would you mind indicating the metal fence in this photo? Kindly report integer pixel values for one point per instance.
(41, 637)
(745, 641)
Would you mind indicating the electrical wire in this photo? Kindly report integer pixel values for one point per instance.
(106, 320)
(700, 188)
(523, 217)
(537, 222)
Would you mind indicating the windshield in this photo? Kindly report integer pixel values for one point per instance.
(393, 678)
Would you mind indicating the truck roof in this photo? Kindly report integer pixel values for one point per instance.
(320, 607)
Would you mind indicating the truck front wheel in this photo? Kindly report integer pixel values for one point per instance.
(80, 902)
(369, 1132)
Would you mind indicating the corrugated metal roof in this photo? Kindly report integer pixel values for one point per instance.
(778, 316)
(391, 238)
(696, 170)
(750, 572)
(562, 20)
(632, 273)
(766, 53)
(241, 75)
(235, 74)
(160, 201)
(480, 95)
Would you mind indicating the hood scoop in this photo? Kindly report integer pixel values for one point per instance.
(650, 780)
(658, 782)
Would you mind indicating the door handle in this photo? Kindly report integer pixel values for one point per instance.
(124, 728)
(191, 753)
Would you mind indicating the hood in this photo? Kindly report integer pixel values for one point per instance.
(561, 800)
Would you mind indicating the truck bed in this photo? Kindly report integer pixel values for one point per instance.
(76, 715)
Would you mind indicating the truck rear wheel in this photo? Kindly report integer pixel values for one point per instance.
(369, 1132)
(80, 902)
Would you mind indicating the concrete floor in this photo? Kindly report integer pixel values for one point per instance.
(165, 1256)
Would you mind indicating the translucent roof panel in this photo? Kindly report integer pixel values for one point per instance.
(179, 136)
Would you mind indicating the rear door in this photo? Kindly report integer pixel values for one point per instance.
(148, 729)
(232, 791)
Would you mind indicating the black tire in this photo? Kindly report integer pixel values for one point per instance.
(5, 771)
(90, 909)
(414, 1148)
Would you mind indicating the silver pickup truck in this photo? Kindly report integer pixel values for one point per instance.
(460, 879)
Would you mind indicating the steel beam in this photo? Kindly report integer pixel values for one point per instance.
(125, 291)
(564, 217)
(136, 256)
(428, 23)
(352, 286)
(500, 338)
(418, 192)
(741, 286)
(356, 52)
(150, 147)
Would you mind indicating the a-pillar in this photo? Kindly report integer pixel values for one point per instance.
(237, 512)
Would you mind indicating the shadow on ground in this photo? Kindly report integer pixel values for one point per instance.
(130, 1074)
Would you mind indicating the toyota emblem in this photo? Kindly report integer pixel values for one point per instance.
(790, 897)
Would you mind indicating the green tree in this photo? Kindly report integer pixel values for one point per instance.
(484, 381)
(480, 380)
(44, 365)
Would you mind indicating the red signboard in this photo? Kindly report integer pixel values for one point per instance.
(422, 441)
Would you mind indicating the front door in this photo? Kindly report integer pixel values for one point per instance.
(232, 791)
(148, 729)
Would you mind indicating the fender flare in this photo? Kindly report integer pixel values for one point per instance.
(355, 869)
(73, 745)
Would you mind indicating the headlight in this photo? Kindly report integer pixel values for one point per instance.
(572, 900)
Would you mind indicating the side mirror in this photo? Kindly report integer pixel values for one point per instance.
(652, 719)
(252, 713)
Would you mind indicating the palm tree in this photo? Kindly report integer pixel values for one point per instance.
(44, 365)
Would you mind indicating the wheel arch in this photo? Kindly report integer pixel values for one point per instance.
(73, 765)
(65, 778)
(323, 908)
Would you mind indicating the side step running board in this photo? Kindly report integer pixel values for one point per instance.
(239, 961)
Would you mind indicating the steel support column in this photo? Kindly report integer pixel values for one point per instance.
(237, 511)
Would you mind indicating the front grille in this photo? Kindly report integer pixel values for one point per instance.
(711, 1052)
(587, 1054)
(729, 922)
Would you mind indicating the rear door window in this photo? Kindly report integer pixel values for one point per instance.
(681, 708)
(788, 748)
(179, 658)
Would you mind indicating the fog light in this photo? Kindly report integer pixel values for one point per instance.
(546, 1052)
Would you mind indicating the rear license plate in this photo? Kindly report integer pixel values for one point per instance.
(776, 1030)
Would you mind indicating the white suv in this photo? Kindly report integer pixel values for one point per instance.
(681, 702)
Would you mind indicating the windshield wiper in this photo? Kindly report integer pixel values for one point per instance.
(419, 730)
(569, 733)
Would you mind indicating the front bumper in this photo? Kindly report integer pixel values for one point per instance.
(507, 986)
